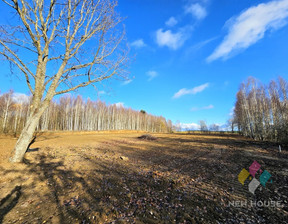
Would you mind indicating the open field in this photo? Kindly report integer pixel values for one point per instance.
(115, 177)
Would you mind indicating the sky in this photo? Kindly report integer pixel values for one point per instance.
(188, 58)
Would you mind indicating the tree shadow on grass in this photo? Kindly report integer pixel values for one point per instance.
(9, 202)
(95, 186)
(220, 170)
(60, 182)
(107, 191)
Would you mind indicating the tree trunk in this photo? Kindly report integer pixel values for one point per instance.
(25, 138)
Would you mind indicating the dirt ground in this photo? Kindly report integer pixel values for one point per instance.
(116, 177)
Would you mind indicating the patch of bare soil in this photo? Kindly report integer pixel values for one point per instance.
(147, 137)
(119, 178)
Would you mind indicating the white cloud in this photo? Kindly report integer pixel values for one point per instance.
(102, 92)
(231, 113)
(250, 26)
(170, 39)
(171, 22)
(203, 43)
(152, 74)
(126, 82)
(191, 126)
(192, 91)
(209, 107)
(20, 98)
(119, 104)
(198, 11)
(195, 109)
(194, 48)
(138, 43)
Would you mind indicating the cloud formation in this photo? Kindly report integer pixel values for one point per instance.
(197, 10)
(250, 26)
(20, 98)
(126, 82)
(119, 104)
(231, 113)
(151, 74)
(176, 39)
(101, 92)
(209, 107)
(192, 91)
(189, 126)
(138, 43)
(172, 40)
(171, 22)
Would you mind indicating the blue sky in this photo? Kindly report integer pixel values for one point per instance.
(189, 57)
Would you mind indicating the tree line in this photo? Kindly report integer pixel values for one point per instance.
(75, 114)
(261, 111)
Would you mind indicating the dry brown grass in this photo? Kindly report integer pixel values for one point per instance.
(179, 178)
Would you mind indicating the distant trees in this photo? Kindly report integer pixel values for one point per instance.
(214, 127)
(231, 124)
(261, 112)
(203, 125)
(6, 106)
(13, 114)
(75, 114)
(177, 126)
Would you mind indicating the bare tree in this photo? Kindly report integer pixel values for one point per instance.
(76, 114)
(261, 111)
(7, 104)
(214, 127)
(231, 123)
(177, 126)
(73, 44)
(203, 125)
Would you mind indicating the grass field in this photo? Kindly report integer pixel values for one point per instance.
(115, 177)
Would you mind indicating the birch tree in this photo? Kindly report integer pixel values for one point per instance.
(203, 125)
(73, 44)
(261, 111)
(73, 113)
(7, 104)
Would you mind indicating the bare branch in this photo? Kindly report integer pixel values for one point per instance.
(21, 68)
(66, 27)
(16, 56)
(13, 6)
